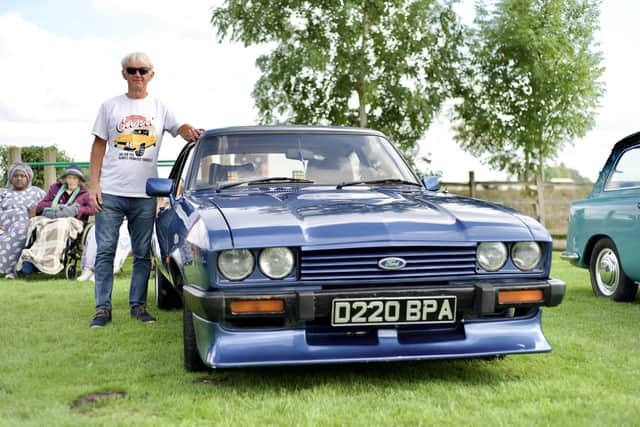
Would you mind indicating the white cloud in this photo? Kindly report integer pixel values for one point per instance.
(52, 86)
(46, 78)
(188, 18)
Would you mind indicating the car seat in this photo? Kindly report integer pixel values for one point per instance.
(220, 173)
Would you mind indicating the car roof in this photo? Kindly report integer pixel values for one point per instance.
(292, 129)
(627, 140)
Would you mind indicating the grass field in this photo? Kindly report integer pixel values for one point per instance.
(56, 371)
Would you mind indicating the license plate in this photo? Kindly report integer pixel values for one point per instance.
(393, 310)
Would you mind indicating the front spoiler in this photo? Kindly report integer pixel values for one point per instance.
(219, 347)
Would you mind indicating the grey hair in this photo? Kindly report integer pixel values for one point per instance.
(137, 56)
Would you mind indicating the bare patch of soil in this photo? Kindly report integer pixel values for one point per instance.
(92, 398)
(207, 380)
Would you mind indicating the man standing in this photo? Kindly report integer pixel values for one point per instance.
(128, 134)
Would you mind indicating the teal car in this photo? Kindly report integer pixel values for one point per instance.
(604, 228)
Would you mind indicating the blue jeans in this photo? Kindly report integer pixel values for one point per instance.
(140, 214)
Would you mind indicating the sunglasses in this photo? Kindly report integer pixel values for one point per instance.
(141, 70)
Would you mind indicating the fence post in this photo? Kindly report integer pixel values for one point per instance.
(472, 184)
(15, 155)
(49, 171)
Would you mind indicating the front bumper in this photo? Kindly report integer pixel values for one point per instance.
(572, 257)
(473, 297)
(221, 343)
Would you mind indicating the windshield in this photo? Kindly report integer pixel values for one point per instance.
(324, 159)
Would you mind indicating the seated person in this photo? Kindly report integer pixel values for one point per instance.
(68, 197)
(63, 212)
(17, 205)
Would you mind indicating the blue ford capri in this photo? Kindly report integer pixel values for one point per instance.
(307, 245)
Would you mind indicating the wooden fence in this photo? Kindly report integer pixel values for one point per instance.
(558, 198)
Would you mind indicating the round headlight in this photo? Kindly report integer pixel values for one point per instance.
(276, 263)
(492, 255)
(525, 255)
(236, 264)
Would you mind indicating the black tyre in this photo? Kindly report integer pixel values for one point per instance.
(192, 360)
(167, 298)
(607, 276)
(70, 271)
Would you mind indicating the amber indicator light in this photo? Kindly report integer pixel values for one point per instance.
(510, 297)
(257, 306)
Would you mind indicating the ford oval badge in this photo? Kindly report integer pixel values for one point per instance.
(392, 263)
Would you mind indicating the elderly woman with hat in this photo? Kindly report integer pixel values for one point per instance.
(68, 197)
(62, 211)
(17, 202)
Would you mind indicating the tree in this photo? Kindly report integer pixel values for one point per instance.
(562, 171)
(29, 154)
(530, 83)
(385, 64)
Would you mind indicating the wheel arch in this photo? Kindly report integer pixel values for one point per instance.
(588, 248)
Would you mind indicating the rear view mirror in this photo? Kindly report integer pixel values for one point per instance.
(302, 154)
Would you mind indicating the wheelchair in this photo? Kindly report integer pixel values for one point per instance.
(72, 251)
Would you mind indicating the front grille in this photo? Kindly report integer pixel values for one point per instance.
(362, 263)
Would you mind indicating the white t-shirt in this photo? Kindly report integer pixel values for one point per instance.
(133, 129)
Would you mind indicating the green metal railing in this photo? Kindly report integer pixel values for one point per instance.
(161, 163)
(52, 168)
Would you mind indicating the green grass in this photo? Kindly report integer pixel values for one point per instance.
(49, 358)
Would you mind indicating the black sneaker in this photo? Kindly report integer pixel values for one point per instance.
(140, 312)
(101, 319)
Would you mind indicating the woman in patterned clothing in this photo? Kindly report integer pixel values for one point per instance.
(17, 204)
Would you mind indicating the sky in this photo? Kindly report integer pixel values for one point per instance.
(59, 60)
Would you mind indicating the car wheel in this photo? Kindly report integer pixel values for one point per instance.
(70, 271)
(607, 277)
(192, 360)
(167, 298)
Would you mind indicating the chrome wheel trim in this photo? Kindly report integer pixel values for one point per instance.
(607, 272)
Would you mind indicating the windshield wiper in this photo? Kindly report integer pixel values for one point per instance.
(273, 179)
(391, 181)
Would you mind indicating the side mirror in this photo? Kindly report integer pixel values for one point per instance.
(159, 187)
(431, 183)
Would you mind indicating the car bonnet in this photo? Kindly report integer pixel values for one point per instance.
(357, 216)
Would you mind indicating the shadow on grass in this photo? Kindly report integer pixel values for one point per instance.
(384, 374)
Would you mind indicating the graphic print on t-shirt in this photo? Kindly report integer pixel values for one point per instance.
(135, 133)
